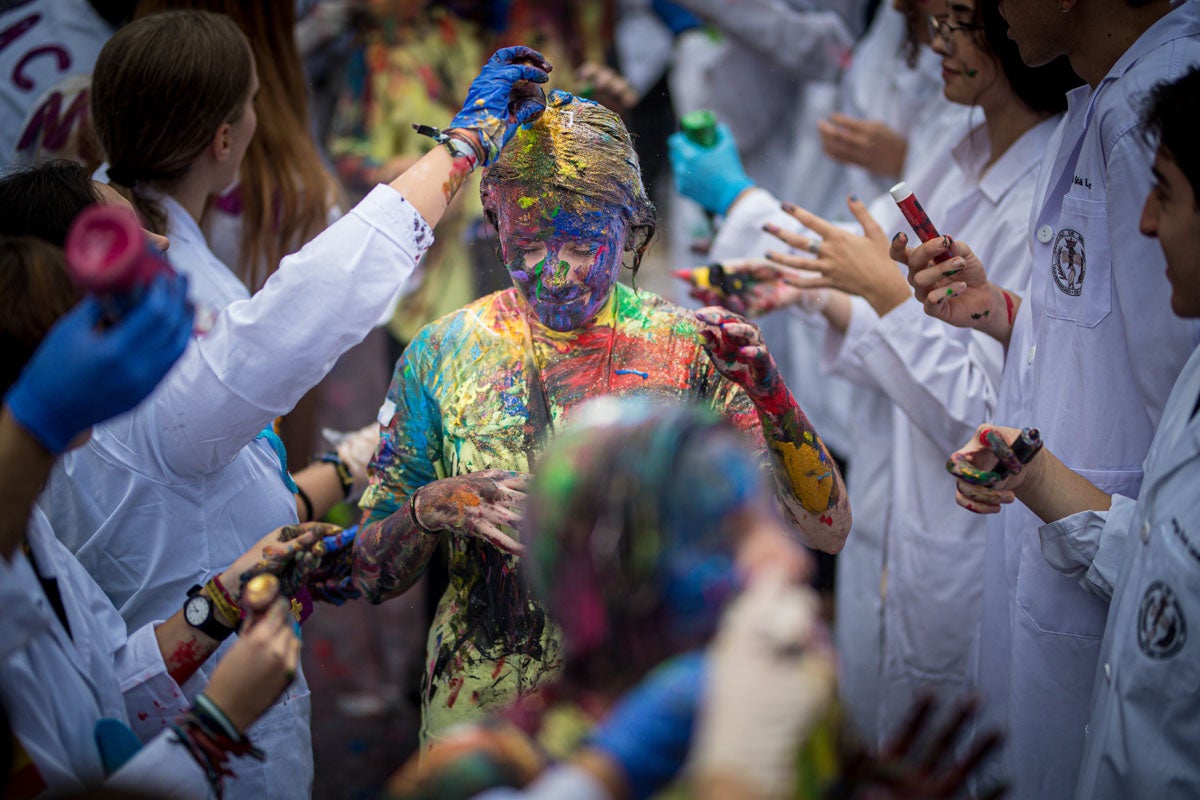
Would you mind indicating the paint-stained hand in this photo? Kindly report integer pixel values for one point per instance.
(477, 504)
(606, 86)
(738, 351)
(260, 664)
(753, 287)
(979, 487)
(919, 763)
(291, 553)
(866, 143)
(858, 265)
(957, 290)
(504, 95)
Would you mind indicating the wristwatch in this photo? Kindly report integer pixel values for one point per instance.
(198, 611)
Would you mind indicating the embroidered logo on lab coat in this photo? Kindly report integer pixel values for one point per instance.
(1069, 263)
(1162, 629)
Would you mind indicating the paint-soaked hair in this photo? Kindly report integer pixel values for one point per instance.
(630, 546)
(161, 88)
(583, 149)
(1043, 88)
(1172, 118)
(43, 200)
(35, 290)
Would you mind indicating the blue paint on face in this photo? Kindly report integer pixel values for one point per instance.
(564, 260)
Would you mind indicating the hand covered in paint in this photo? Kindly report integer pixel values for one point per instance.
(738, 351)
(904, 771)
(980, 488)
(748, 287)
(957, 290)
(711, 176)
(772, 674)
(476, 504)
(649, 731)
(858, 265)
(260, 664)
(84, 373)
(865, 143)
(291, 553)
(504, 95)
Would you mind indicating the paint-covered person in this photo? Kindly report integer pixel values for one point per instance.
(1091, 357)
(76, 686)
(1142, 553)
(639, 569)
(197, 456)
(913, 570)
(478, 392)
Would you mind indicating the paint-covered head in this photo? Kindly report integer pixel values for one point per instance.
(567, 199)
(632, 529)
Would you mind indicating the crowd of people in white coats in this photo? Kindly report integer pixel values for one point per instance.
(938, 277)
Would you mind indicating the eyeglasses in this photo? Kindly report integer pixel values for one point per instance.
(945, 29)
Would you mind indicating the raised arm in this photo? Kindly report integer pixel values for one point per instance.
(809, 482)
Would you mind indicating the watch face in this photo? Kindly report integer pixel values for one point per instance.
(196, 611)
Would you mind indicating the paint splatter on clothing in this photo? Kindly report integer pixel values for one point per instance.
(467, 399)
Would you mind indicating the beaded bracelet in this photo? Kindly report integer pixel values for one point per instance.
(343, 472)
(211, 738)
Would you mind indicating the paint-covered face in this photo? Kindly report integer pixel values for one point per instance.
(563, 257)
(1171, 216)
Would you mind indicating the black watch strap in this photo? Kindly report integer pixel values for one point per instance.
(209, 626)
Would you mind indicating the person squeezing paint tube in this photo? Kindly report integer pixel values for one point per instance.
(479, 392)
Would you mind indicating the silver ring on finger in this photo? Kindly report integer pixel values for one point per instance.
(814, 247)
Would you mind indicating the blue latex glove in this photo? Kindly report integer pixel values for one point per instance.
(82, 373)
(498, 101)
(649, 731)
(712, 176)
(675, 17)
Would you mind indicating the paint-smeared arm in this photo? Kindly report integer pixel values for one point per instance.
(809, 482)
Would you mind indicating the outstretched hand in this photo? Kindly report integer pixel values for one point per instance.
(504, 95)
(918, 763)
(761, 287)
(738, 351)
(858, 265)
(475, 504)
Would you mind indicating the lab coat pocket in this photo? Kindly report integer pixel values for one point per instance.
(1161, 657)
(935, 583)
(1053, 602)
(1080, 286)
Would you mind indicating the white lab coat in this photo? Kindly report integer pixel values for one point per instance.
(44, 42)
(169, 495)
(1092, 370)
(1145, 718)
(876, 85)
(909, 578)
(55, 687)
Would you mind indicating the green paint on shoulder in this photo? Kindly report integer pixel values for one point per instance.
(526, 202)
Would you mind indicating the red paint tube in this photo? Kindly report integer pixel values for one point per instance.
(108, 256)
(911, 208)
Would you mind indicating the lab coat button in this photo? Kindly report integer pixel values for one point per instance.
(1146, 531)
(1045, 234)
(1032, 352)
(1108, 673)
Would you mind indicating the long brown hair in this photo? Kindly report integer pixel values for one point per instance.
(161, 88)
(286, 190)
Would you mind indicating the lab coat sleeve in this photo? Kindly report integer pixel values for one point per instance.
(806, 43)
(1090, 545)
(564, 780)
(163, 769)
(840, 351)
(946, 381)
(741, 234)
(264, 353)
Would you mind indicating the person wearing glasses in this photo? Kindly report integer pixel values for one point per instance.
(910, 579)
(1091, 360)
